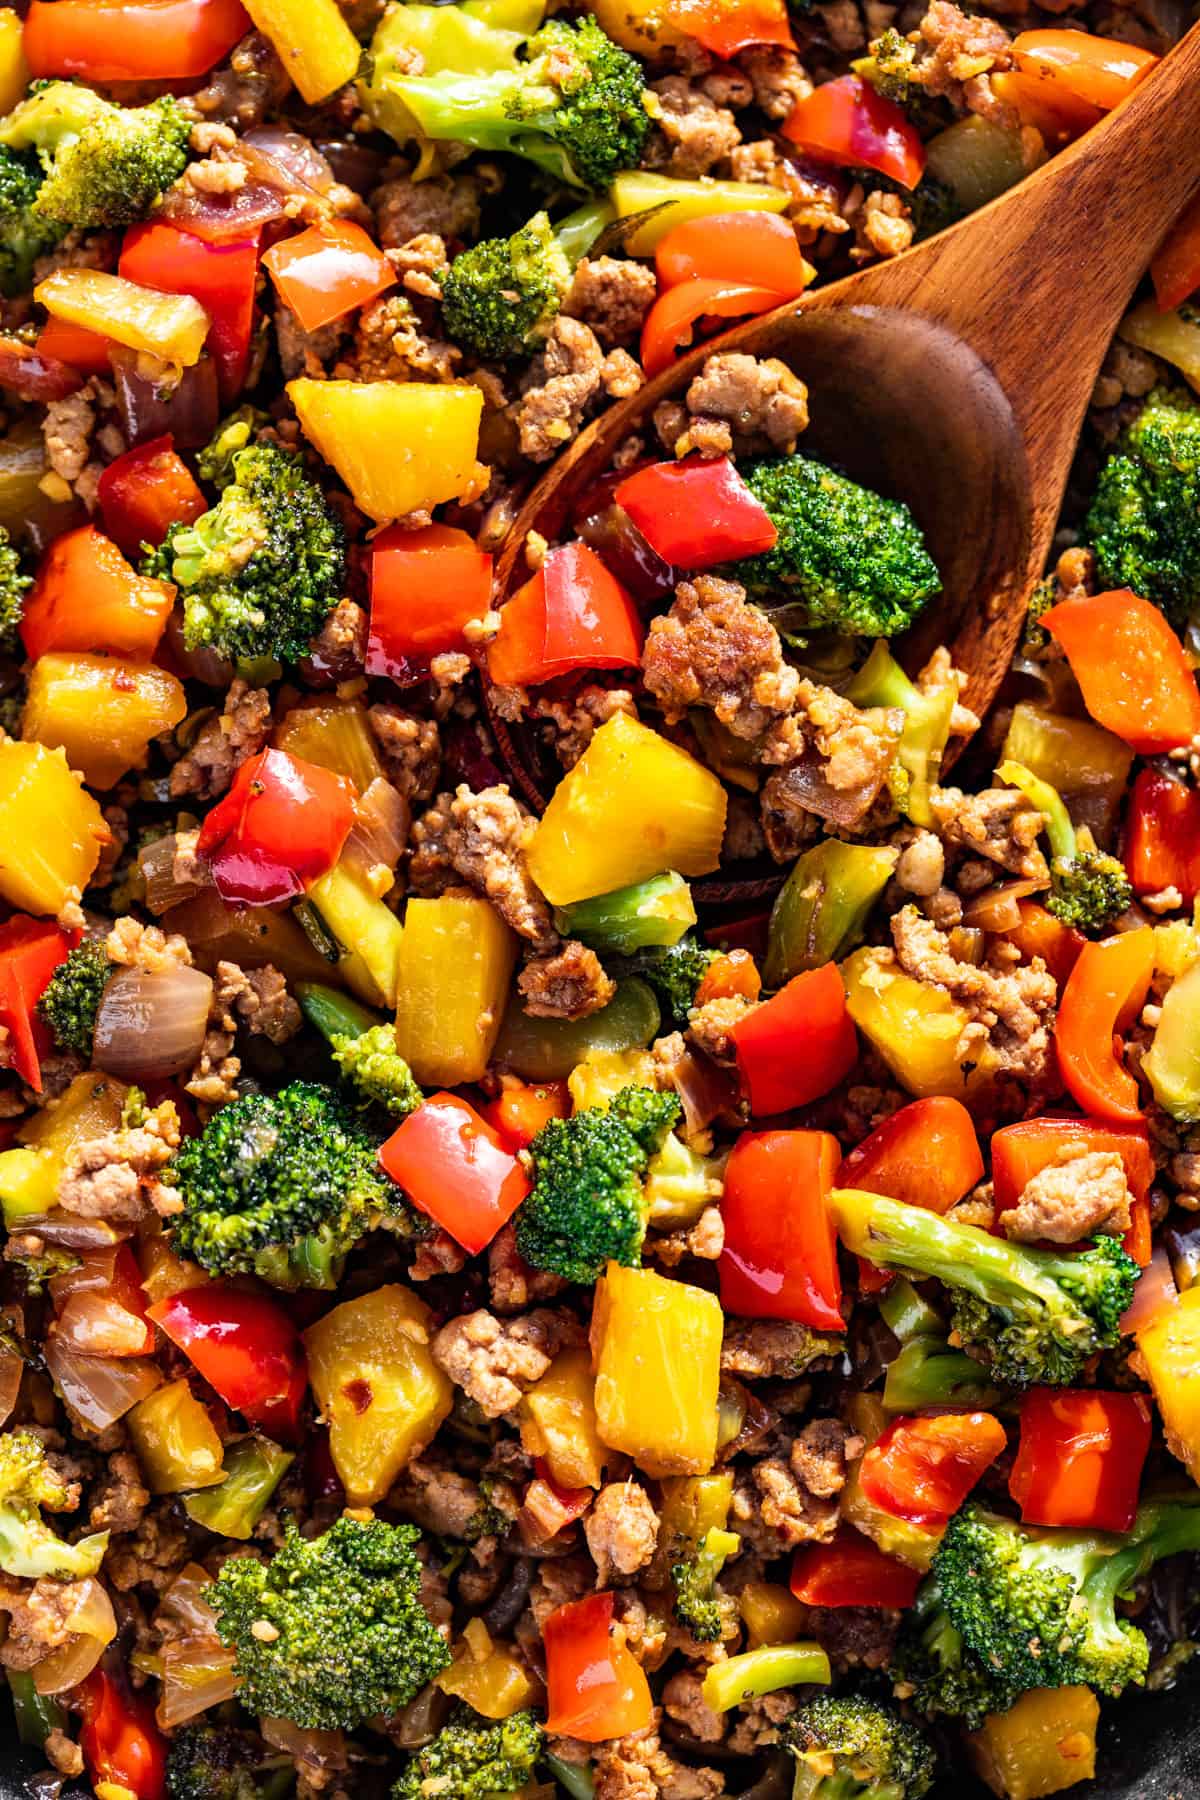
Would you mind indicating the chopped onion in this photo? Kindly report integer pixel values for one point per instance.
(290, 160)
(380, 831)
(196, 1673)
(183, 1606)
(203, 665)
(92, 1274)
(100, 1389)
(98, 1325)
(157, 864)
(71, 1232)
(998, 908)
(188, 407)
(25, 372)
(704, 1089)
(966, 944)
(316, 1749)
(93, 1625)
(151, 1022)
(1154, 1292)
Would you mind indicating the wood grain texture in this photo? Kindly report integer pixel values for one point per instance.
(957, 375)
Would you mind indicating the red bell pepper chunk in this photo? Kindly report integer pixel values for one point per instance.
(425, 586)
(1080, 1456)
(1104, 994)
(1175, 270)
(573, 614)
(146, 491)
(327, 271)
(87, 597)
(845, 122)
(1162, 835)
(595, 1687)
(457, 1169)
(851, 1571)
(84, 350)
(696, 513)
(1076, 66)
(926, 1154)
(120, 1739)
(30, 951)
(758, 248)
(1131, 669)
(673, 317)
(519, 1110)
(246, 1348)
(280, 827)
(780, 1254)
(131, 40)
(922, 1469)
(798, 1045)
(1041, 934)
(221, 276)
(726, 26)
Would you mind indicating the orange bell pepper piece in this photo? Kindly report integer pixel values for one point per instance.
(595, 1687)
(1131, 668)
(1107, 988)
(87, 597)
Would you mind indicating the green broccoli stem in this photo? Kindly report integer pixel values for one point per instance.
(908, 1313)
(882, 682)
(763, 1671)
(575, 1779)
(821, 911)
(253, 1470)
(1162, 1528)
(1049, 802)
(333, 1013)
(648, 915)
(928, 1372)
(577, 233)
(37, 1715)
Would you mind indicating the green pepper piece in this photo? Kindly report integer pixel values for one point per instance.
(1172, 1064)
(648, 915)
(821, 911)
(253, 1470)
(882, 682)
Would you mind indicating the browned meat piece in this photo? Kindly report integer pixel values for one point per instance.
(782, 1504)
(446, 207)
(224, 744)
(760, 1724)
(957, 53)
(557, 1582)
(437, 1254)
(612, 294)
(153, 1554)
(574, 719)
(134, 945)
(310, 353)
(123, 1499)
(512, 1283)
(63, 1753)
(758, 1349)
(38, 1618)
(389, 346)
(704, 1240)
(495, 1360)
(621, 1530)
(854, 1637)
(682, 1702)
(260, 1001)
(482, 838)
(568, 985)
(998, 823)
(836, 759)
(883, 226)
(759, 404)
(1081, 1194)
(710, 1027)
(117, 1176)
(778, 77)
(562, 381)
(638, 1768)
(445, 1502)
(339, 647)
(243, 91)
(410, 748)
(693, 135)
(714, 650)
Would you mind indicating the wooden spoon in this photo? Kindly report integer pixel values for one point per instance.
(955, 377)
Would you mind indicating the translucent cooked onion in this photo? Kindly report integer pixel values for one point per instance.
(188, 407)
(1155, 1292)
(196, 1673)
(68, 1231)
(183, 1607)
(101, 1389)
(151, 1022)
(93, 1625)
(998, 908)
(98, 1325)
(315, 1749)
(157, 864)
(704, 1089)
(380, 830)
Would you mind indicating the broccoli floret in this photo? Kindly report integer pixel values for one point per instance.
(13, 585)
(373, 1064)
(500, 297)
(280, 1186)
(1088, 888)
(474, 1759)
(676, 973)
(351, 1637)
(855, 561)
(1039, 1604)
(850, 1748)
(587, 1206)
(937, 1672)
(680, 1183)
(700, 1606)
(890, 65)
(28, 1547)
(105, 165)
(1144, 520)
(222, 1762)
(71, 997)
(261, 571)
(25, 234)
(569, 99)
(1037, 1315)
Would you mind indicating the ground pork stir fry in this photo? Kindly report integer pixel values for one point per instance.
(599, 1178)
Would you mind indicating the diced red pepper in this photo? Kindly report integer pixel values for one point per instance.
(696, 513)
(1175, 270)
(280, 827)
(120, 1739)
(1021, 1151)
(32, 374)
(595, 1687)
(1131, 668)
(845, 122)
(88, 597)
(674, 316)
(30, 951)
(1107, 986)
(922, 1469)
(519, 1111)
(726, 26)
(759, 248)
(927, 1154)
(84, 350)
(425, 586)
(851, 1571)
(1041, 934)
(457, 1169)
(325, 272)
(1138, 1241)
(573, 614)
(1162, 835)
(798, 1045)
(780, 1254)
(146, 491)
(1080, 1457)
(221, 276)
(131, 40)
(247, 1349)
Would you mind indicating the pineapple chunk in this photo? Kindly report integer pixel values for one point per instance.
(1043, 1744)
(313, 42)
(1169, 1346)
(915, 1028)
(397, 445)
(656, 1349)
(558, 1421)
(101, 710)
(171, 327)
(378, 1387)
(369, 931)
(14, 71)
(51, 829)
(456, 961)
(176, 1442)
(633, 806)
